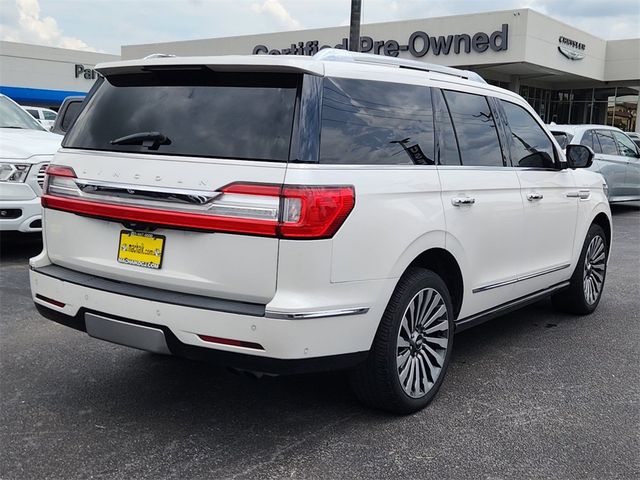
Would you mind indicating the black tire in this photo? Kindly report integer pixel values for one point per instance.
(377, 382)
(576, 299)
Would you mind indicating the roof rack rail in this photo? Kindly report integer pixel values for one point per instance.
(339, 55)
(158, 55)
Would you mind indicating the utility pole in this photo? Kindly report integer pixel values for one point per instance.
(354, 29)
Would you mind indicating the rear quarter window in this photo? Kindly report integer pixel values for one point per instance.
(380, 123)
(201, 112)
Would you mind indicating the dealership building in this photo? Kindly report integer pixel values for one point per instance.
(45, 76)
(568, 75)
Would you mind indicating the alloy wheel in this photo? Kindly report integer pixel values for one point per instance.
(423, 338)
(594, 269)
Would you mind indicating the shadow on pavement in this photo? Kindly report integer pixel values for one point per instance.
(16, 246)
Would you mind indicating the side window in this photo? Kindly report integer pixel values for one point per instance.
(49, 115)
(596, 143)
(475, 129)
(607, 143)
(380, 123)
(529, 145)
(626, 147)
(34, 113)
(73, 110)
(563, 138)
(587, 139)
(447, 152)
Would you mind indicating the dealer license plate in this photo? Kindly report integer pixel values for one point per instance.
(141, 249)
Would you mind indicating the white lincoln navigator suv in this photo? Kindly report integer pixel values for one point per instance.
(282, 214)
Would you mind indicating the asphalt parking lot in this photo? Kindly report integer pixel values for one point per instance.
(534, 394)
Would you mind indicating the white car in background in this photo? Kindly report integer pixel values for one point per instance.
(44, 116)
(617, 157)
(25, 151)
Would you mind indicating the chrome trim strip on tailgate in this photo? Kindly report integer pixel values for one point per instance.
(150, 293)
(127, 334)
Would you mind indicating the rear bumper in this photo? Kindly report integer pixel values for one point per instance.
(241, 361)
(272, 345)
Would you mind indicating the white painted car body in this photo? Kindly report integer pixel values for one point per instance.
(321, 298)
(33, 148)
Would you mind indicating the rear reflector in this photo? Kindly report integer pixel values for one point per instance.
(50, 300)
(283, 211)
(229, 341)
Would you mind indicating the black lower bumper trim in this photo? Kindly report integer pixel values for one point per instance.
(219, 357)
(149, 293)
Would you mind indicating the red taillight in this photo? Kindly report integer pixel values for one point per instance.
(60, 171)
(306, 212)
(288, 211)
(320, 211)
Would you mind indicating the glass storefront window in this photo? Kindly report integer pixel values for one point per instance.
(604, 94)
(580, 113)
(626, 108)
(599, 113)
(617, 106)
(582, 95)
(559, 112)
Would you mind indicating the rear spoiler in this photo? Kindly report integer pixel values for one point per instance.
(227, 63)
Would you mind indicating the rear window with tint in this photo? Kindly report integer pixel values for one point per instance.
(201, 112)
(366, 122)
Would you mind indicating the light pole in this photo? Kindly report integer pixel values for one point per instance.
(354, 29)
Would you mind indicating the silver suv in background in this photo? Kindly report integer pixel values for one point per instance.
(635, 137)
(617, 156)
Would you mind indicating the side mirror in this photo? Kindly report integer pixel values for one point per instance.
(579, 156)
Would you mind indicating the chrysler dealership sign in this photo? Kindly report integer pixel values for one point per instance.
(418, 44)
(571, 49)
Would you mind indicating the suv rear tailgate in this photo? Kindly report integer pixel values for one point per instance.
(150, 154)
(239, 267)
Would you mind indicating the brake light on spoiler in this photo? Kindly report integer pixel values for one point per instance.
(283, 211)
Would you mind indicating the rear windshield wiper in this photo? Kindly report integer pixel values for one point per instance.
(151, 140)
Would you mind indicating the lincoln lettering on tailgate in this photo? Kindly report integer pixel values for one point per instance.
(141, 249)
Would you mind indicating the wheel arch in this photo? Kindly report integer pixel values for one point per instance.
(444, 264)
(604, 222)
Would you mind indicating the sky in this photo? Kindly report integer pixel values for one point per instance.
(105, 25)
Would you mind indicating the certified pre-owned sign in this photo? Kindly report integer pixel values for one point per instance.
(418, 44)
(571, 49)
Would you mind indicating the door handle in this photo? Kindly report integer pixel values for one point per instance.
(459, 201)
(534, 196)
(581, 194)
